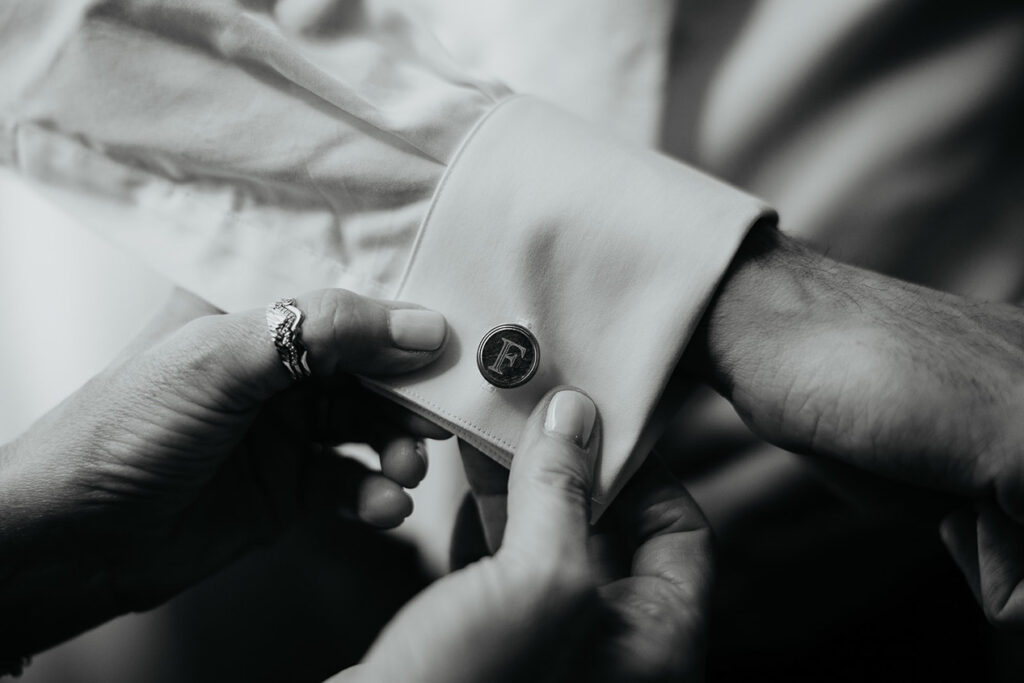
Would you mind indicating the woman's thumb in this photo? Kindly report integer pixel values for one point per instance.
(551, 479)
(339, 331)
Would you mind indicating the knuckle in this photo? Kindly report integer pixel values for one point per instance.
(343, 322)
(200, 350)
(204, 361)
(1000, 604)
(672, 632)
(671, 516)
(1003, 618)
(566, 478)
(340, 308)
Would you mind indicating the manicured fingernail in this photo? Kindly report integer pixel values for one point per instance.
(417, 330)
(571, 417)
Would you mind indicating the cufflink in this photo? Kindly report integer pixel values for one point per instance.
(508, 356)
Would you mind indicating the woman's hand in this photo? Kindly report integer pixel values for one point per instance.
(559, 601)
(194, 446)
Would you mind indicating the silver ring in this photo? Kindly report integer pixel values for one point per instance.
(285, 321)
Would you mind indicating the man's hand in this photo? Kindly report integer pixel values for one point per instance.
(558, 602)
(891, 378)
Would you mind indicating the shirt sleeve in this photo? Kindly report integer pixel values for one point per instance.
(248, 163)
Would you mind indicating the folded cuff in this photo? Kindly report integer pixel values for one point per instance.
(606, 252)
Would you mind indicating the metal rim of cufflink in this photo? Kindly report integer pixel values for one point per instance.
(518, 347)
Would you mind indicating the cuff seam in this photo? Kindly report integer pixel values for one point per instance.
(455, 419)
(468, 431)
(414, 252)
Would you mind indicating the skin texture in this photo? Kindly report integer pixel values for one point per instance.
(880, 382)
(898, 393)
(867, 373)
(561, 600)
(190, 449)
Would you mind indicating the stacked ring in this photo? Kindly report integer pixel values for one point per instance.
(285, 320)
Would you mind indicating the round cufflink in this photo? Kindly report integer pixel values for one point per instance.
(508, 356)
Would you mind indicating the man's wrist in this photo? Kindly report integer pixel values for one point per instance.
(773, 289)
(826, 358)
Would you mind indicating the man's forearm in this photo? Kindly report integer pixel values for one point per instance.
(775, 293)
(768, 287)
(823, 357)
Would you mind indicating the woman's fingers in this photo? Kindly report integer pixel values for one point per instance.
(381, 502)
(403, 460)
(516, 615)
(550, 482)
(341, 410)
(341, 331)
(345, 332)
(554, 464)
(336, 484)
(381, 418)
(394, 416)
(394, 433)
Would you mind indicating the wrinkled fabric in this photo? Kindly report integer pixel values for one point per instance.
(253, 150)
(238, 158)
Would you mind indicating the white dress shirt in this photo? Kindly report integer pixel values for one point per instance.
(250, 156)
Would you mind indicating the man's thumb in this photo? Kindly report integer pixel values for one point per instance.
(551, 479)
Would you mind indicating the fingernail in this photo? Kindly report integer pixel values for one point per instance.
(571, 416)
(416, 330)
(421, 450)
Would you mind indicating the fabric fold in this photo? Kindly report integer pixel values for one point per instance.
(248, 162)
(606, 252)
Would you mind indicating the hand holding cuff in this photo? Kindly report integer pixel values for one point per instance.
(606, 253)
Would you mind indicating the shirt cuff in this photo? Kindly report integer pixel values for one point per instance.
(606, 252)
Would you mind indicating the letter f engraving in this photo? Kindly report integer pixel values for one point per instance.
(508, 356)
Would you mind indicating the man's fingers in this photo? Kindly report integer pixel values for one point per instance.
(959, 531)
(654, 504)
(342, 332)
(551, 479)
(988, 547)
(660, 610)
